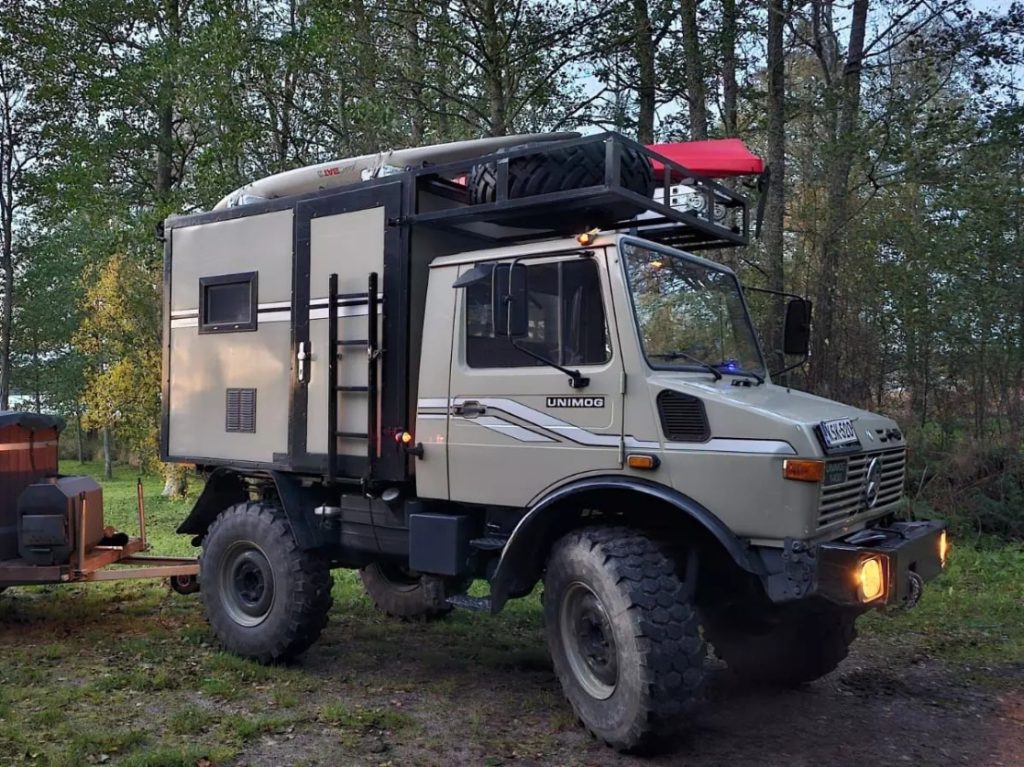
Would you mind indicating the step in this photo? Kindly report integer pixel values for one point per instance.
(354, 389)
(470, 603)
(352, 434)
(489, 543)
(353, 342)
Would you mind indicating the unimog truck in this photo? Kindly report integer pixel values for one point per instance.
(501, 361)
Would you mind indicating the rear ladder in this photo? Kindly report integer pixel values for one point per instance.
(334, 388)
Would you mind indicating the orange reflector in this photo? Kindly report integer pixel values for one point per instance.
(803, 469)
(642, 461)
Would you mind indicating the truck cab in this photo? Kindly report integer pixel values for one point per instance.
(454, 371)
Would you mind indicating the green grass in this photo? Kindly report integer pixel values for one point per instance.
(130, 674)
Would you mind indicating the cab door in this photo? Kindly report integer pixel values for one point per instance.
(516, 426)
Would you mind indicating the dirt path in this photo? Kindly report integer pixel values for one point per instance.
(870, 712)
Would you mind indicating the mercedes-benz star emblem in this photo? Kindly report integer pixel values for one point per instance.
(872, 483)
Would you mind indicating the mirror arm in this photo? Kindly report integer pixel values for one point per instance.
(576, 380)
(794, 366)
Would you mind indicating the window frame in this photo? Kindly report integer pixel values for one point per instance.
(252, 278)
(537, 260)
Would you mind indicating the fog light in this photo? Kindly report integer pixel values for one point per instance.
(943, 548)
(871, 580)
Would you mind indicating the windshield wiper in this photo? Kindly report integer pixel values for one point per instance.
(676, 355)
(748, 373)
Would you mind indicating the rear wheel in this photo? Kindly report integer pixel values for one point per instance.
(400, 593)
(802, 642)
(624, 636)
(265, 598)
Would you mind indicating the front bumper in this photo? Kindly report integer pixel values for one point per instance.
(909, 553)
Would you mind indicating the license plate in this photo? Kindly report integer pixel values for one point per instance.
(836, 472)
(839, 433)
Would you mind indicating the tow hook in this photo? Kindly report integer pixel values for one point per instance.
(916, 588)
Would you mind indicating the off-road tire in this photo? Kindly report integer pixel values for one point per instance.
(184, 584)
(405, 596)
(805, 642)
(558, 170)
(657, 647)
(254, 541)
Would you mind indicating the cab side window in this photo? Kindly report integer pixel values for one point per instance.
(565, 319)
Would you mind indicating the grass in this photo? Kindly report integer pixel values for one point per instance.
(129, 673)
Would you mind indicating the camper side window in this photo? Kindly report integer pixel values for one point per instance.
(227, 303)
(565, 319)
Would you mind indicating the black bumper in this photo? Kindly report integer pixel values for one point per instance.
(909, 553)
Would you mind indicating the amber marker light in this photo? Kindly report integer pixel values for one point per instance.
(943, 548)
(642, 461)
(587, 238)
(803, 469)
(404, 438)
(870, 579)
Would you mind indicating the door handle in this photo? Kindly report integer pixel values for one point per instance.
(468, 409)
(303, 357)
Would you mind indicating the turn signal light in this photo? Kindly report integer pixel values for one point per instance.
(943, 548)
(803, 469)
(404, 438)
(871, 579)
(642, 461)
(586, 238)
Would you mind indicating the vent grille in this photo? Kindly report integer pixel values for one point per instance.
(842, 501)
(241, 410)
(683, 418)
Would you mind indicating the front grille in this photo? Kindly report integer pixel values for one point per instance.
(846, 499)
(682, 417)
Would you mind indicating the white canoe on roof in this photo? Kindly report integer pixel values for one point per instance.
(351, 170)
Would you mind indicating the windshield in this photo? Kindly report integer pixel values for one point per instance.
(689, 313)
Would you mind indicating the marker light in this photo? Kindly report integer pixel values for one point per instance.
(642, 461)
(943, 548)
(586, 238)
(870, 580)
(404, 438)
(803, 469)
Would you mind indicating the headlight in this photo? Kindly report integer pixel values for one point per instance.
(871, 579)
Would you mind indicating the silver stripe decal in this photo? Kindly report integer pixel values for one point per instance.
(432, 402)
(509, 429)
(729, 445)
(343, 311)
(189, 322)
(432, 417)
(545, 421)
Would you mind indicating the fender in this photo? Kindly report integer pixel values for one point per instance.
(226, 487)
(522, 560)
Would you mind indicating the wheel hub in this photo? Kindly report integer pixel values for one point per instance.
(247, 583)
(589, 641)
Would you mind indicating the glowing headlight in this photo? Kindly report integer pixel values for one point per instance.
(871, 579)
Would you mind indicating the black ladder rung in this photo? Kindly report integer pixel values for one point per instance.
(352, 434)
(354, 388)
(353, 342)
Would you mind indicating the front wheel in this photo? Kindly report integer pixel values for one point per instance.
(623, 634)
(265, 598)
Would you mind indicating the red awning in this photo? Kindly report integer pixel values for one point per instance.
(718, 158)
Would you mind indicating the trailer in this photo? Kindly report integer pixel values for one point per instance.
(51, 525)
(507, 362)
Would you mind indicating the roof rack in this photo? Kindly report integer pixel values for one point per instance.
(720, 217)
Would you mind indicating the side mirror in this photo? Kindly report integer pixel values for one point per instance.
(509, 308)
(797, 331)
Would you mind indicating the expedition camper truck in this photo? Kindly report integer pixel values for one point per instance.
(430, 366)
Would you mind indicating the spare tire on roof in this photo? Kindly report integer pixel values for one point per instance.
(559, 170)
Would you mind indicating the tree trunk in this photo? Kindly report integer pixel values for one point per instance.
(824, 370)
(80, 441)
(730, 88)
(108, 464)
(775, 204)
(647, 85)
(494, 75)
(696, 98)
